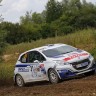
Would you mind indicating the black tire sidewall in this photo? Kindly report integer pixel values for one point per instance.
(90, 73)
(21, 79)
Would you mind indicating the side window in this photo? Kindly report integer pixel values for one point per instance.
(40, 57)
(24, 58)
(31, 57)
(35, 55)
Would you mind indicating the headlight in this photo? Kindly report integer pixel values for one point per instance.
(90, 57)
(61, 62)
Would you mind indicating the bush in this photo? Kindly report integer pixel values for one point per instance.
(47, 31)
(2, 47)
(66, 30)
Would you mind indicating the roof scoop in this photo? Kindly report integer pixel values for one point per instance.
(49, 45)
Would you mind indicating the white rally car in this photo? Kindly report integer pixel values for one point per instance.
(52, 62)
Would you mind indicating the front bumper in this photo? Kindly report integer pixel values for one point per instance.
(67, 73)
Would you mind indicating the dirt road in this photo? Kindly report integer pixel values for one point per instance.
(85, 86)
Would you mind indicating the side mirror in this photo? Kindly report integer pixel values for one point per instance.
(36, 61)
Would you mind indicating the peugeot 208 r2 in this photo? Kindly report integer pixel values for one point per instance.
(52, 62)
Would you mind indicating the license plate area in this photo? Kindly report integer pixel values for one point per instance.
(82, 65)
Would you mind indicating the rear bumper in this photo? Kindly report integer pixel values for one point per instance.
(67, 73)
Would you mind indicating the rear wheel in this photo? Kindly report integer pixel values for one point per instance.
(19, 81)
(53, 76)
(90, 73)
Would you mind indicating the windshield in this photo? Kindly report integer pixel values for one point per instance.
(58, 51)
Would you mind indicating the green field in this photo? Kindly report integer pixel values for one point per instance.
(84, 39)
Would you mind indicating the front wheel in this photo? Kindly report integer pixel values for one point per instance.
(19, 81)
(53, 76)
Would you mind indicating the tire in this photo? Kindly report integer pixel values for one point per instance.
(53, 76)
(19, 81)
(90, 73)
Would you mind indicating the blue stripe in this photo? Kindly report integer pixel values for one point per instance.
(22, 65)
(66, 73)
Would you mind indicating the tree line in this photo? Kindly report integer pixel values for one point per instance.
(58, 18)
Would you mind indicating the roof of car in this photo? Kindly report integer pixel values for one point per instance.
(47, 46)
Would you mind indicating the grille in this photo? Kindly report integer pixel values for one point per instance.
(81, 64)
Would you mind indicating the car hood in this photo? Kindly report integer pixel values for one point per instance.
(72, 56)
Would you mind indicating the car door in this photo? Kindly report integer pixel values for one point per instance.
(23, 67)
(36, 61)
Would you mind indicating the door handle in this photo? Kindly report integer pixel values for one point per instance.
(28, 66)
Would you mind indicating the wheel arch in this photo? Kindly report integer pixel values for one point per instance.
(55, 70)
(22, 83)
(15, 77)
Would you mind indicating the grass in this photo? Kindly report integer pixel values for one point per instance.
(84, 39)
(6, 73)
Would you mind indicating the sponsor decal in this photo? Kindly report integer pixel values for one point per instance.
(37, 69)
(42, 68)
(75, 55)
(23, 70)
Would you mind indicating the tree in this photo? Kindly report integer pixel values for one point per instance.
(43, 15)
(75, 4)
(1, 19)
(16, 34)
(32, 31)
(33, 18)
(2, 38)
(53, 11)
(65, 5)
(55, 26)
(47, 31)
(37, 18)
(27, 18)
(59, 18)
